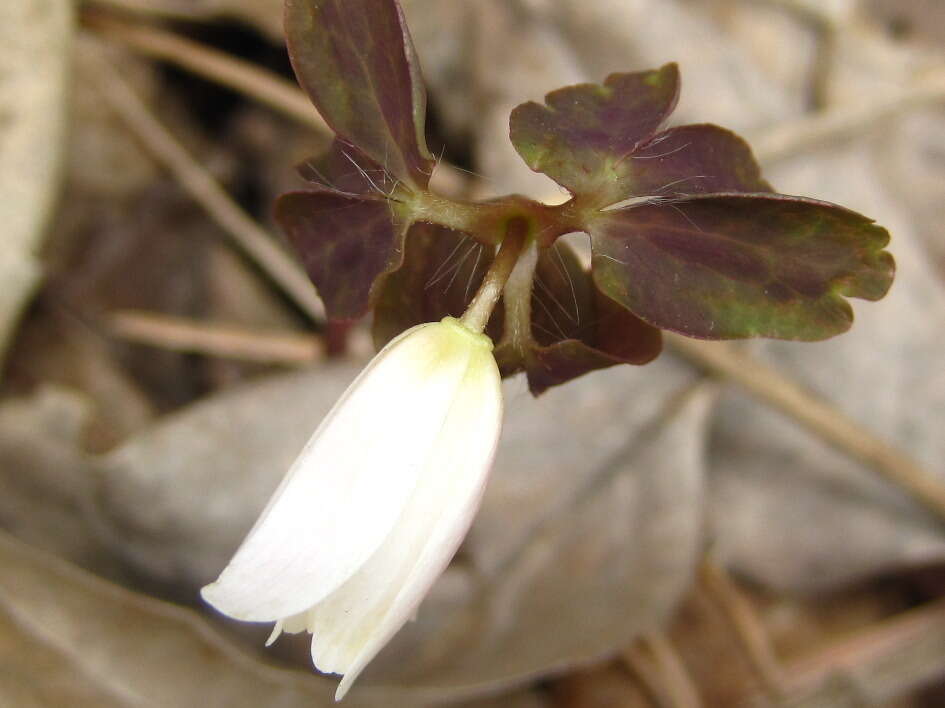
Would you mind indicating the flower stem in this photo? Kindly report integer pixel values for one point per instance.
(484, 301)
(518, 301)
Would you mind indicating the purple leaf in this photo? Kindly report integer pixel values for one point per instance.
(441, 272)
(726, 266)
(691, 159)
(355, 60)
(574, 328)
(346, 243)
(343, 168)
(583, 136)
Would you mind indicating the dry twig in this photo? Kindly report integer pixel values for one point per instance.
(247, 78)
(207, 192)
(654, 661)
(214, 339)
(792, 137)
(776, 144)
(873, 666)
(178, 10)
(747, 627)
(815, 414)
(221, 67)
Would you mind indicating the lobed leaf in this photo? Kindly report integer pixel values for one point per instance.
(574, 328)
(346, 243)
(690, 159)
(727, 266)
(71, 638)
(442, 270)
(583, 135)
(356, 62)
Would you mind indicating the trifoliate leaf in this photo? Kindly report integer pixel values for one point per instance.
(574, 328)
(346, 243)
(344, 168)
(584, 135)
(691, 159)
(726, 266)
(441, 272)
(356, 62)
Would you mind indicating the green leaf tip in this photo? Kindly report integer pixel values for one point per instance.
(729, 266)
(685, 232)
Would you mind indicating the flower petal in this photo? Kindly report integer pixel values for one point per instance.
(350, 484)
(352, 624)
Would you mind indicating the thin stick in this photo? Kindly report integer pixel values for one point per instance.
(873, 666)
(815, 414)
(247, 78)
(654, 661)
(809, 12)
(243, 76)
(792, 137)
(776, 144)
(486, 298)
(156, 9)
(215, 339)
(746, 625)
(268, 88)
(207, 192)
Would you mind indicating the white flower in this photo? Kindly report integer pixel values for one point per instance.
(376, 504)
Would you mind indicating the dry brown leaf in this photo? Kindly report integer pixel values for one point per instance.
(913, 167)
(609, 686)
(46, 480)
(922, 20)
(104, 158)
(582, 542)
(35, 47)
(181, 495)
(793, 513)
(69, 638)
(578, 546)
(789, 511)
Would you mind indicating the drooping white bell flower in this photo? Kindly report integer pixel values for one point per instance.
(377, 503)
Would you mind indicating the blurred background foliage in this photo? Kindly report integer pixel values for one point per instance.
(759, 525)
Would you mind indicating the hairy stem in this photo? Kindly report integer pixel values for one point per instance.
(486, 298)
(518, 301)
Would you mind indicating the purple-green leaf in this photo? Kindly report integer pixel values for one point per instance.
(690, 159)
(584, 135)
(442, 270)
(343, 168)
(728, 266)
(356, 62)
(347, 244)
(574, 328)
